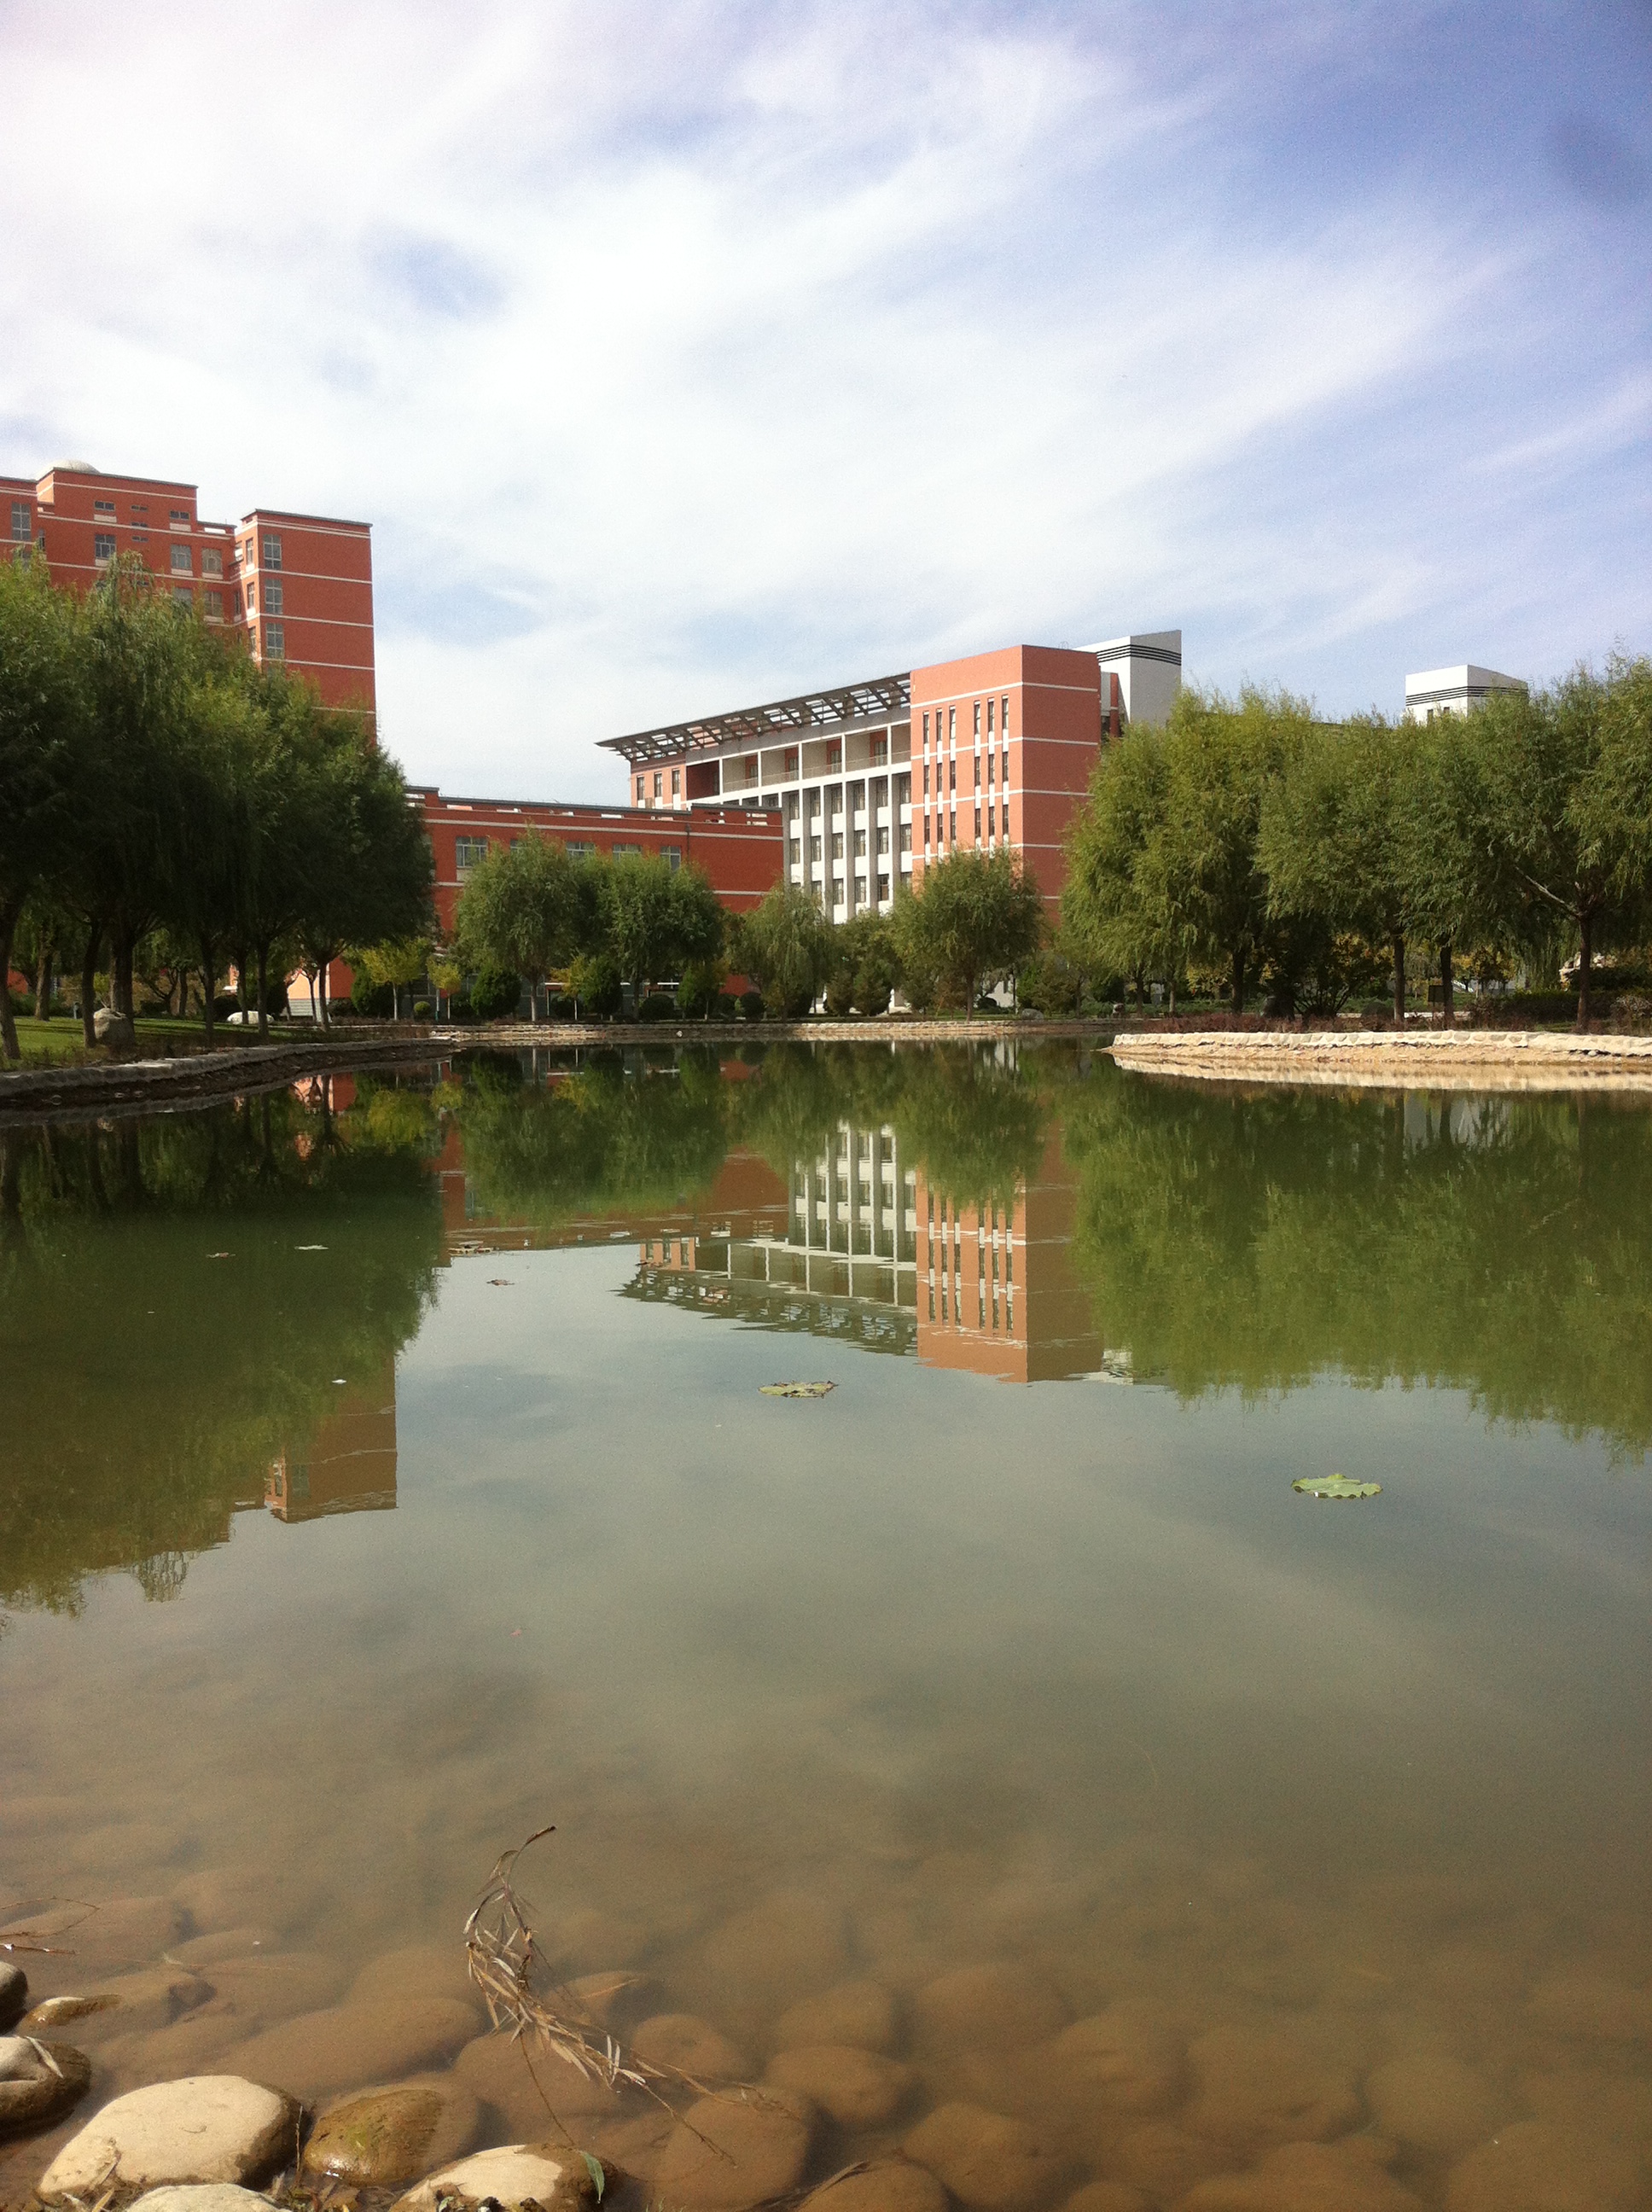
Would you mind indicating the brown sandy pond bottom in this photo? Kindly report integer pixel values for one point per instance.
(1017, 1779)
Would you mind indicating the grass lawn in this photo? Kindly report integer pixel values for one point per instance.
(59, 1041)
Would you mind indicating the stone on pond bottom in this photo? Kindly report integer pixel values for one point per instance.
(558, 2180)
(860, 2012)
(892, 2184)
(202, 2196)
(1309, 2177)
(986, 2008)
(1267, 2085)
(13, 1994)
(857, 2088)
(207, 2127)
(39, 2083)
(347, 2045)
(990, 2162)
(387, 2137)
(683, 2043)
(727, 2153)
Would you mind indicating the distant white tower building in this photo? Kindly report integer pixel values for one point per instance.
(1148, 666)
(1452, 690)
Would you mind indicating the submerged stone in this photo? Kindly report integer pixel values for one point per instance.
(1309, 2177)
(857, 2088)
(385, 2138)
(891, 2185)
(350, 2044)
(207, 2127)
(986, 2009)
(861, 2012)
(1268, 2085)
(683, 2043)
(202, 2196)
(989, 2161)
(735, 2152)
(39, 2083)
(517, 2174)
(13, 1994)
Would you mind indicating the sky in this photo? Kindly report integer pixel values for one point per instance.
(686, 356)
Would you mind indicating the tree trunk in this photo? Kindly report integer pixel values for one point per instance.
(1239, 979)
(43, 987)
(1585, 952)
(89, 984)
(1170, 995)
(209, 984)
(1398, 980)
(321, 994)
(1447, 987)
(263, 985)
(120, 980)
(8, 1019)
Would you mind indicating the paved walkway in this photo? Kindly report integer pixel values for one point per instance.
(1478, 1060)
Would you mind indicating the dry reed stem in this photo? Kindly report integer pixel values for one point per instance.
(500, 1954)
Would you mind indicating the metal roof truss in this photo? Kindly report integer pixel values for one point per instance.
(884, 697)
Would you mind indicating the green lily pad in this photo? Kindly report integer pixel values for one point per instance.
(1336, 1486)
(796, 1389)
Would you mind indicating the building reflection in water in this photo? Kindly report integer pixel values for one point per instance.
(349, 1464)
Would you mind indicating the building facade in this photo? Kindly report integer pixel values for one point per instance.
(297, 587)
(874, 781)
(1452, 690)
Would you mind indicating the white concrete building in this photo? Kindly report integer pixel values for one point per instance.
(1452, 690)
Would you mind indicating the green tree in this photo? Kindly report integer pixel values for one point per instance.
(784, 946)
(640, 912)
(974, 919)
(521, 910)
(1123, 913)
(44, 749)
(369, 871)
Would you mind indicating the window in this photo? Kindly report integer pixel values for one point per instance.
(673, 856)
(952, 723)
(212, 560)
(626, 852)
(903, 790)
(103, 545)
(676, 783)
(275, 641)
(181, 565)
(837, 890)
(977, 771)
(978, 825)
(22, 522)
(905, 836)
(272, 552)
(835, 757)
(883, 889)
(252, 599)
(837, 844)
(990, 824)
(791, 768)
(926, 733)
(989, 771)
(860, 890)
(182, 596)
(880, 749)
(989, 718)
(273, 593)
(102, 507)
(642, 789)
(860, 844)
(580, 852)
(1004, 714)
(951, 776)
(925, 779)
(215, 607)
(1004, 769)
(659, 783)
(883, 840)
(977, 718)
(814, 849)
(794, 851)
(952, 831)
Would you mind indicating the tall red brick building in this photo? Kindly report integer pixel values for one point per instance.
(298, 587)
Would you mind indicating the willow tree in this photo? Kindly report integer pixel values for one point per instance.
(520, 910)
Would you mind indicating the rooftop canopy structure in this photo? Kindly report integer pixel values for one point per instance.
(875, 700)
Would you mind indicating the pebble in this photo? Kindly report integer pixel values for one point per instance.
(1108, 2197)
(890, 2185)
(1309, 2177)
(1430, 2101)
(495, 2068)
(129, 1931)
(1164, 2159)
(861, 2012)
(57, 2012)
(857, 2088)
(126, 2004)
(761, 2143)
(787, 1947)
(1262, 2085)
(1122, 2060)
(207, 2127)
(385, 2138)
(230, 1944)
(349, 2046)
(202, 2196)
(13, 1994)
(272, 1987)
(1592, 2007)
(986, 2008)
(418, 1970)
(556, 2180)
(39, 2082)
(989, 2161)
(683, 2043)
(602, 1997)
(1543, 2166)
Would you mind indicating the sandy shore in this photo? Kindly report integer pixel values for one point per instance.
(1479, 1060)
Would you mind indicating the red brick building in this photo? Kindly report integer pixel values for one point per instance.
(297, 587)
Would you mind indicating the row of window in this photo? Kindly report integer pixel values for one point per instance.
(471, 852)
(859, 891)
(946, 825)
(1003, 721)
(1002, 763)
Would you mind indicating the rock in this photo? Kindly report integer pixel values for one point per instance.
(202, 2196)
(385, 2138)
(1122, 2060)
(857, 2088)
(861, 2012)
(113, 1029)
(1593, 2007)
(1430, 2101)
(985, 2007)
(684, 2043)
(1164, 2159)
(787, 1946)
(630, 2146)
(230, 1944)
(893, 2185)
(39, 2083)
(320, 2053)
(126, 2004)
(761, 2141)
(130, 1931)
(14, 1995)
(207, 2127)
(1309, 2177)
(582, 1938)
(1545, 2166)
(988, 2162)
(1108, 2197)
(495, 2068)
(231, 1897)
(603, 1997)
(420, 1970)
(1263, 2086)
(558, 2180)
(273, 1986)
(199, 2043)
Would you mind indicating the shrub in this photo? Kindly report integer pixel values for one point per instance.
(658, 1006)
(422, 1010)
(495, 994)
(373, 1002)
(595, 982)
(751, 1005)
(461, 1010)
(559, 1007)
(839, 995)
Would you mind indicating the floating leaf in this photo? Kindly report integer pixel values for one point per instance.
(593, 2167)
(1336, 1486)
(796, 1389)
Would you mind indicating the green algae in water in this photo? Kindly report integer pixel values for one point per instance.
(1336, 1486)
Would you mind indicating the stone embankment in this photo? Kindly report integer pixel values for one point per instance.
(1427, 1060)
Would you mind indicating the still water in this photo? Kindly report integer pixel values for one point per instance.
(385, 1473)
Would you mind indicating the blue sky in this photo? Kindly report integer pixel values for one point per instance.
(683, 356)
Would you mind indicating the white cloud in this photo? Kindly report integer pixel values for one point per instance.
(683, 356)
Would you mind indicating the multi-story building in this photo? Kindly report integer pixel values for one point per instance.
(297, 587)
(872, 781)
(1434, 691)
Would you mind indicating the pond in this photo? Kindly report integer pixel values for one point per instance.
(996, 1749)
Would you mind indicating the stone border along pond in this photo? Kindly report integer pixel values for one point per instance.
(1479, 1060)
